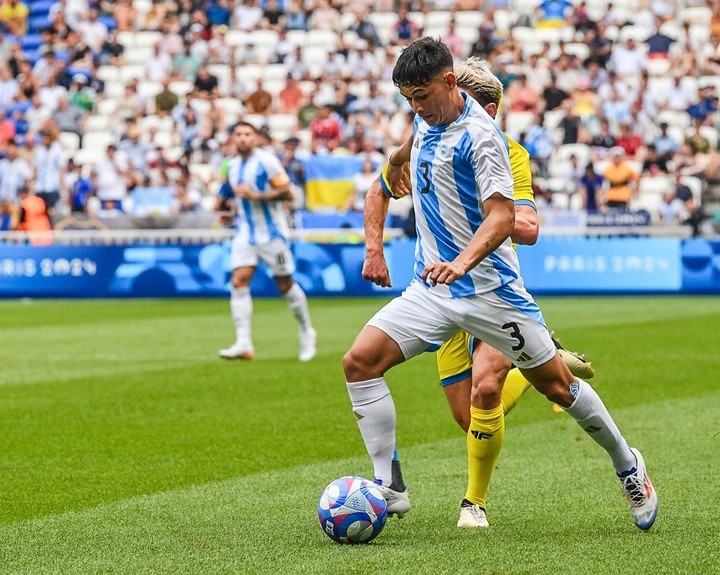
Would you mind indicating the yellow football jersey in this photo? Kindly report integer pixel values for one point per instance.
(454, 358)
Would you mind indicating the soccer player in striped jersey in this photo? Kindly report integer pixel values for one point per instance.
(466, 278)
(257, 186)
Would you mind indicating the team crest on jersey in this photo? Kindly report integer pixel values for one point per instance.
(444, 150)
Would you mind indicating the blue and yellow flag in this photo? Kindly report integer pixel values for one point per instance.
(329, 180)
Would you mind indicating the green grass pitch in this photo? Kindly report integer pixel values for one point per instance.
(128, 448)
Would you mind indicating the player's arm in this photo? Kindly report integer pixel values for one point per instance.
(280, 191)
(375, 267)
(526, 227)
(395, 174)
(494, 230)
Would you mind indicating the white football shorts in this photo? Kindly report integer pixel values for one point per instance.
(276, 254)
(508, 319)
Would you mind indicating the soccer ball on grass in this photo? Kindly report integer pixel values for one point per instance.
(352, 510)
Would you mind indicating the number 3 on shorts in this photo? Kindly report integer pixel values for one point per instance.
(515, 334)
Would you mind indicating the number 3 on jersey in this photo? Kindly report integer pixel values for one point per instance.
(424, 180)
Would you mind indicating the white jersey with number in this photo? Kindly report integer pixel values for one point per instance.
(454, 168)
(258, 222)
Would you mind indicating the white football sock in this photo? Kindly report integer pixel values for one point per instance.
(374, 410)
(298, 304)
(241, 307)
(591, 414)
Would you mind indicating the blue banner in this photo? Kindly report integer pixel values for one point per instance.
(554, 265)
(599, 265)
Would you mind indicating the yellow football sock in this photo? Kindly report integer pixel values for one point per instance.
(484, 440)
(515, 386)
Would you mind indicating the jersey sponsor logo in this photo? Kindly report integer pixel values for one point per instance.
(479, 435)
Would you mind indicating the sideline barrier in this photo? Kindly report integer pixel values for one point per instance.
(199, 266)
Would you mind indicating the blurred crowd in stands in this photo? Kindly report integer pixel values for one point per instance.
(111, 107)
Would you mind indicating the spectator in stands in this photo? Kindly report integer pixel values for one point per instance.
(92, 31)
(219, 50)
(298, 66)
(581, 20)
(36, 115)
(158, 65)
(630, 141)
(250, 54)
(309, 111)
(15, 174)
(365, 29)
(671, 208)
(554, 13)
(247, 15)
(521, 96)
(137, 152)
(219, 13)
(14, 17)
(591, 189)
(80, 55)
(282, 47)
(654, 164)
(692, 215)
(123, 12)
(486, 43)
(273, 16)
(33, 217)
(166, 99)
(260, 101)
(553, 95)
(112, 51)
(664, 144)
(291, 97)
(70, 118)
(110, 177)
(678, 97)
(186, 64)
(206, 85)
(502, 70)
(9, 86)
(404, 30)
(131, 104)
(79, 189)
(574, 172)
(362, 61)
(538, 142)
(628, 59)
(622, 182)
(699, 143)
(46, 65)
(170, 41)
(59, 31)
(48, 163)
(294, 164)
(361, 184)
(326, 131)
(616, 110)
(705, 105)
(295, 16)
(51, 93)
(454, 41)
(658, 43)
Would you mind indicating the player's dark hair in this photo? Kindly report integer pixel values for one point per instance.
(421, 61)
(242, 124)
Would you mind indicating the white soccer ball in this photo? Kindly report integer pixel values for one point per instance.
(352, 510)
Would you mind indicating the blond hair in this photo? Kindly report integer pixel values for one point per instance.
(475, 75)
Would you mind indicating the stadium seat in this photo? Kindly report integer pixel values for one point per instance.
(695, 14)
(106, 107)
(711, 133)
(437, 19)
(98, 141)
(88, 156)
(132, 72)
(658, 66)
(108, 73)
(518, 122)
(97, 123)
(320, 37)
(70, 142)
(147, 38)
(581, 151)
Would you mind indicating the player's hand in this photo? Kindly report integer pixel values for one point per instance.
(442, 273)
(375, 270)
(398, 178)
(245, 192)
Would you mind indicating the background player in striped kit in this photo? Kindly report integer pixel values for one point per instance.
(257, 186)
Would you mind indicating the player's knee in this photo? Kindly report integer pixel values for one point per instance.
(355, 366)
(486, 392)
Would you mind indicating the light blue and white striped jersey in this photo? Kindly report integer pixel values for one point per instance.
(48, 162)
(258, 222)
(454, 168)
